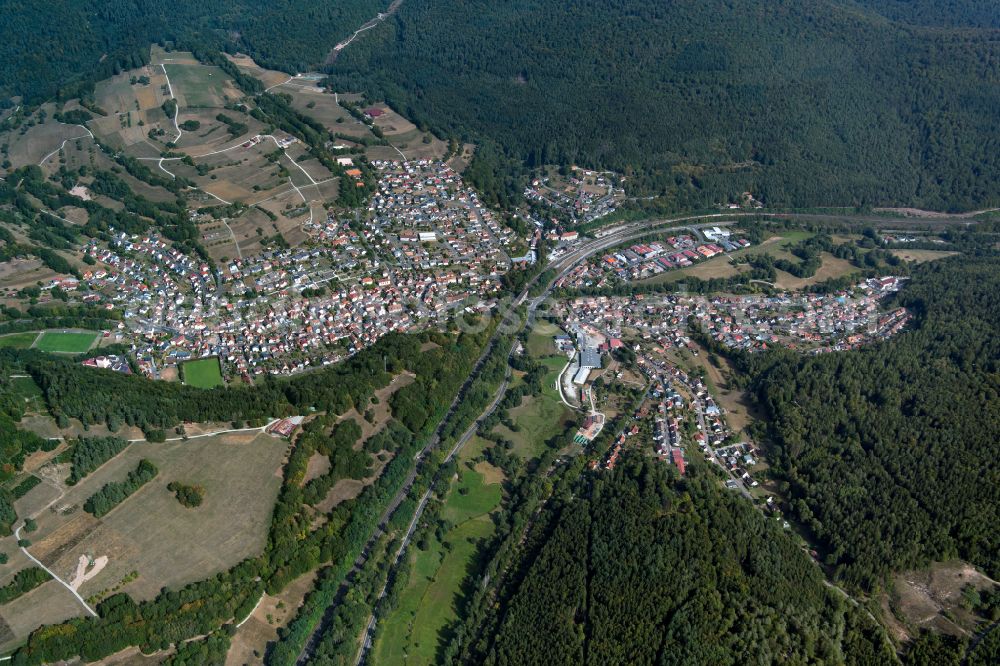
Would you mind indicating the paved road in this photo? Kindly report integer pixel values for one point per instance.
(610, 237)
(563, 265)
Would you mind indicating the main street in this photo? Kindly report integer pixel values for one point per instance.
(562, 266)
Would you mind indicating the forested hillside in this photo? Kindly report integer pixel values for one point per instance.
(889, 453)
(981, 13)
(59, 44)
(800, 102)
(836, 103)
(637, 568)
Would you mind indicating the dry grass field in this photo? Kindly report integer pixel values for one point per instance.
(251, 639)
(150, 533)
(832, 267)
(270, 77)
(921, 256)
(41, 140)
(931, 599)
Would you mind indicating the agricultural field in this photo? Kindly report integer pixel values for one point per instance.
(405, 137)
(150, 533)
(66, 342)
(411, 633)
(200, 85)
(203, 373)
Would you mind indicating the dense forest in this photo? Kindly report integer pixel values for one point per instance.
(89, 453)
(65, 45)
(800, 103)
(637, 567)
(888, 453)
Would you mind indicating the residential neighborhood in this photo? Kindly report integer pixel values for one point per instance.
(427, 248)
(645, 260)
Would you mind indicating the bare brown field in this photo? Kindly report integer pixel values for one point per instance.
(931, 598)
(491, 473)
(318, 466)
(921, 256)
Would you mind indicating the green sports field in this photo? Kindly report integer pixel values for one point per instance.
(65, 343)
(203, 373)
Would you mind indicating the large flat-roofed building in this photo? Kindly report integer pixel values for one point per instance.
(590, 358)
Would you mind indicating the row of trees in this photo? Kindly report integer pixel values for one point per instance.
(115, 492)
(24, 581)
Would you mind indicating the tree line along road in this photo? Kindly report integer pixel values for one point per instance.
(562, 266)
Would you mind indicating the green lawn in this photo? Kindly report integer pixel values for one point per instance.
(199, 85)
(540, 345)
(62, 342)
(411, 633)
(469, 498)
(203, 373)
(18, 340)
(555, 365)
(29, 392)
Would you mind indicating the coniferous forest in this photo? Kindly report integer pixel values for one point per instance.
(839, 103)
(638, 567)
(801, 103)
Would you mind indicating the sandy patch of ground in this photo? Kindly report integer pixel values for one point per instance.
(87, 569)
(931, 598)
(318, 466)
(491, 473)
